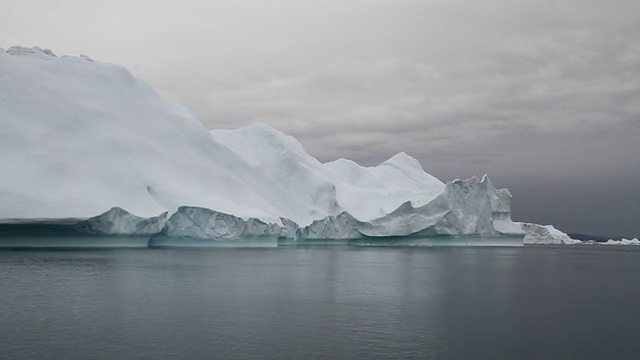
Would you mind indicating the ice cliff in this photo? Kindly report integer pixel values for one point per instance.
(86, 142)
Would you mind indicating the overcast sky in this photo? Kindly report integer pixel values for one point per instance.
(544, 96)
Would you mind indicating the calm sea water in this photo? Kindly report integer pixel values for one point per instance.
(321, 302)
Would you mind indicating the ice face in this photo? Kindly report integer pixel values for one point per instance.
(193, 226)
(204, 223)
(118, 221)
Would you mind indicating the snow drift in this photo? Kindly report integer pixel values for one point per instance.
(86, 142)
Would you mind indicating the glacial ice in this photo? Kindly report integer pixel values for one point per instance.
(622, 241)
(194, 226)
(545, 235)
(340, 227)
(118, 221)
(86, 140)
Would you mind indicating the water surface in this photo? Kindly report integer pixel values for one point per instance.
(321, 302)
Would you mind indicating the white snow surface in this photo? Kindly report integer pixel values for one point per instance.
(331, 188)
(80, 137)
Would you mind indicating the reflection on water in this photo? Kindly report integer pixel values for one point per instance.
(322, 302)
(75, 241)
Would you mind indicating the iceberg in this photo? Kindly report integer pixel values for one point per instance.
(622, 241)
(86, 146)
(545, 235)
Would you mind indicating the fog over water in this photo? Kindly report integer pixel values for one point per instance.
(543, 96)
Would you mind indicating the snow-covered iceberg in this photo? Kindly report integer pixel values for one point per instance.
(545, 235)
(622, 241)
(87, 141)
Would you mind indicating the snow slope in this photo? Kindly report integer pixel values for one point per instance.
(81, 138)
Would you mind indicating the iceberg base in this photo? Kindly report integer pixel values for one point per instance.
(162, 241)
(441, 241)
